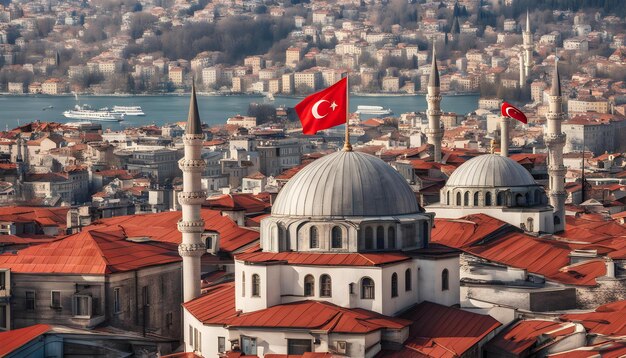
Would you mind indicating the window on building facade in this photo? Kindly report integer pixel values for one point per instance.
(476, 199)
(466, 199)
(391, 237)
(4, 316)
(117, 307)
(394, 285)
(444, 280)
(369, 238)
(243, 284)
(221, 344)
(458, 199)
(256, 285)
(367, 288)
(55, 299)
(146, 295)
(336, 240)
(248, 345)
(380, 237)
(197, 340)
(82, 305)
(407, 280)
(325, 286)
(313, 238)
(298, 346)
(30, 300)
(309, 285)
(3, 280)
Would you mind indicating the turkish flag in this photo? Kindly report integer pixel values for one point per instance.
(508, 110)
(324, 109)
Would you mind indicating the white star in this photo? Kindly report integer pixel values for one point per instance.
(333, 106)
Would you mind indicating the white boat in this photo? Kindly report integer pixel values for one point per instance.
(373, 110)
(87, 113)
(128, 110)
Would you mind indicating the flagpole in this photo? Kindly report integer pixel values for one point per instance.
(347, 147)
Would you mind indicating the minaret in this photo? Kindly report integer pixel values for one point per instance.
(434, 132)
(528, 47)
(191, 198)
(555, 140)
(522, 71)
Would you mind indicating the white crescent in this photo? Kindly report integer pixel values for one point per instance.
(314, 111)
(507, 111)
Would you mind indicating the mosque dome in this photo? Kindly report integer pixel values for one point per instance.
(491, 171)
(346, 184)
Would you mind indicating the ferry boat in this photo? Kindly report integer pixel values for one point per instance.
(87, 113)
(128, 110)
(373, 110)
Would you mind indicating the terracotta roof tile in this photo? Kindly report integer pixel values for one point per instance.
(523, 335)
(16, 338)
(335, 259)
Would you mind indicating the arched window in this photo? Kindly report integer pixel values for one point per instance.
(391, 237)
(380, 237)
(447, 198)
(501, 199)
(466, 199)
(314, 241)
(444, 280)
(527, 199)
(309, 285)
(369, 238)
(407, 280)
(537, 197)
(336, 240)
(557, 220)
(256, 285)
(243, 284)
(367, 288)
(394, 285)
(425, 228)
(519, 199)
(476, 199)
(458, 199)
(325, 286)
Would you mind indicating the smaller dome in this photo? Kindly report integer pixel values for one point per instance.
(490, 171)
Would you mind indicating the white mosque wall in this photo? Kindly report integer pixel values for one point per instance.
(208, 336)
(430, 280)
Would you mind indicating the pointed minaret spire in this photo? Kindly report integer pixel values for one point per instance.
(556, 79)
(434, 132)
(433, 81)
(528, 46)
(194, 126)
(527, 21)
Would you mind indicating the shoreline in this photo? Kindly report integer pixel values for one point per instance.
(209, 94)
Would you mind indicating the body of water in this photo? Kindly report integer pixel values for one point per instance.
(16, 110)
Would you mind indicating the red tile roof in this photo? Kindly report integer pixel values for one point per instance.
(247, 202)
(94, 251)
(318, 315)
(163, 228)
(216, 306)
(604, 350)
(466, 231)
(524, 335)
(305, 355)
(14, 339)
(42, 216)
(325, 259)
(608, 320)
(440, 331)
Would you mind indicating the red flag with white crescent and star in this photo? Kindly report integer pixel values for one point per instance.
(508, 110)
(324, 109)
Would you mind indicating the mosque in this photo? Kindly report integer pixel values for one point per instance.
(346, 251)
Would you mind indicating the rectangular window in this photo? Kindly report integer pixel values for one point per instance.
(82, 306)
(197, 340)
(190, 336)
(221, 344)
(3, 316)
(298, 346)
(3, 280)
(55, 299)
(30, 300)
(116, 300)
(146, 295)
(248, 345)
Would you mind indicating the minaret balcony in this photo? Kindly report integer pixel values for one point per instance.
(554, 139)
(558, 170)
(192, 165)
(191, 250)
(191, 197)
(191, 226)
(436, 132)
(193, 139)
(433, 97)
(433, 112)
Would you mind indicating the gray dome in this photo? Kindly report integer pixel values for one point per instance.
(490, 170)
(346, 184)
